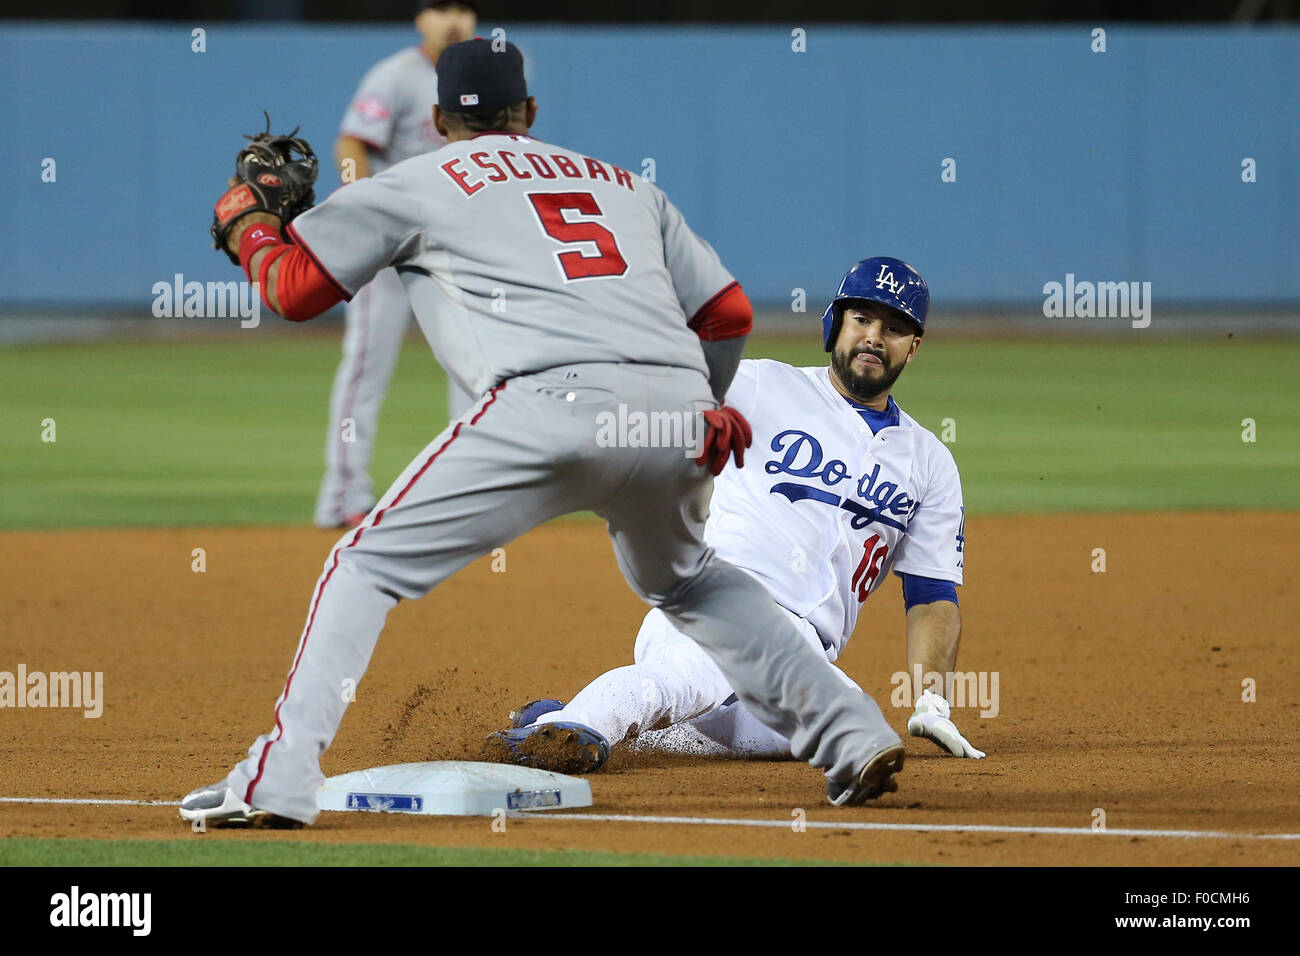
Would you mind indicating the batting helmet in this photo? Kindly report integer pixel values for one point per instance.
(891, 282)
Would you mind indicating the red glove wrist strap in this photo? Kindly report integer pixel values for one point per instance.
(257, 236)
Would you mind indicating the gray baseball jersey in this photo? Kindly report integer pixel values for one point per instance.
(392, 111)
(522, 297)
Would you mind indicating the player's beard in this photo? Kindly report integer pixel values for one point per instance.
(867, 386)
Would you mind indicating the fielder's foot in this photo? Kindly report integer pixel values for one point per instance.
(529, 713)
(561, 747)
(218, 805)
(875, 778)
(338, 521)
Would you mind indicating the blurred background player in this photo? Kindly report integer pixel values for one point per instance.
(390, 119)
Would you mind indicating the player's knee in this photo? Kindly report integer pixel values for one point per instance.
(367, 568)
(715, 578)
(688, 681)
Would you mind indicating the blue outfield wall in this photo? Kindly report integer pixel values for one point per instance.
(1123, 165)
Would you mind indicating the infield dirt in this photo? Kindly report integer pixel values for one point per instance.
(1120, 691)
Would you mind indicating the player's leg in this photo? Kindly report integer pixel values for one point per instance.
(376, 321)
(728, 730)
(459, 401)
(656, 524)
(483, 481)
(672, 680)
(674, 698)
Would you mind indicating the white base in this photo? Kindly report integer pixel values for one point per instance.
(453, 788)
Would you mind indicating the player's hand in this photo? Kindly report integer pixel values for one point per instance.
(728, 434)
(249, 219)
(932, 719)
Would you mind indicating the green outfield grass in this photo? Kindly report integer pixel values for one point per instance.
(200, 852)
(232, 431)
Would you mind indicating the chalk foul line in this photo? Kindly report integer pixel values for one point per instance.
(778, 824)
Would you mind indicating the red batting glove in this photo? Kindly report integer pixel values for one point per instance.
(729, 434)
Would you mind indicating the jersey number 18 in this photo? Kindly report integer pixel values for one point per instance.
(869, 567)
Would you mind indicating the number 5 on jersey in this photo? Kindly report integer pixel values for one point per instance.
(576, 263)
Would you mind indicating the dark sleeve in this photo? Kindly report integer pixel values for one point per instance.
(723, 323)
(919, 590)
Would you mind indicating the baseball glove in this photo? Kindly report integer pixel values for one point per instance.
(273, 174)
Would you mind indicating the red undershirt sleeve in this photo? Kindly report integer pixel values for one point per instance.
(727, 315)
(303, 288)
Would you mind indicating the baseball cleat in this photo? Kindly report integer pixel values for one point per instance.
(220, 806)
(876, 777)
(530, 711)
(351, 521)
(342, 522)
(560, 747)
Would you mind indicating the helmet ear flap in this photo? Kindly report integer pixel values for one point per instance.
(831, 325)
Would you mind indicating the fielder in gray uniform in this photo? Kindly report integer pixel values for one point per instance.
(390, 119)
(563, 292)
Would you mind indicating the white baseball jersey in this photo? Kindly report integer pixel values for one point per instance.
(824, 509)
(584, 261)
(392, 111)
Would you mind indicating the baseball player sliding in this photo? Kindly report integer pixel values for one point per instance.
(847, 487)
(389, 119)
(612, 306)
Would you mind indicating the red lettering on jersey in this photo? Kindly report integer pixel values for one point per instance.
(576, 263)
(371, 108)
(543, 168)
(459, 176)
(869, 567)
(567, 167)
(623, 178)
(595, 170)
(498, 175)
(518, 173)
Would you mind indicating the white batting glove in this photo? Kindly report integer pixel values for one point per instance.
(932, 719)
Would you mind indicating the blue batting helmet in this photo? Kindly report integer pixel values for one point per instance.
(891, 282)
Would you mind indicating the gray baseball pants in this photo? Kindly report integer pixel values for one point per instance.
(532, 449)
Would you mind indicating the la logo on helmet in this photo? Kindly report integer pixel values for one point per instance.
(886, 278)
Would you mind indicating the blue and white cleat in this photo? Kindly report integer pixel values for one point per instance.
(560, 747)
(529, 713)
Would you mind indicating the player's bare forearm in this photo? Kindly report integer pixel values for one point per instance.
(353, 159)
(933, 633)
(933, 636)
